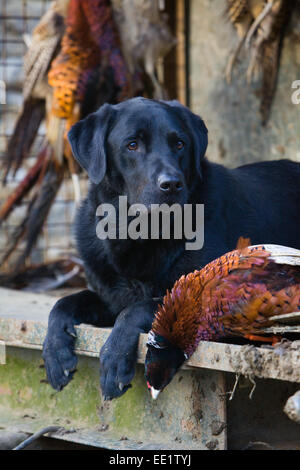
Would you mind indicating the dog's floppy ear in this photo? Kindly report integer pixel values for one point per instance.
(198, 130)
(87, 139)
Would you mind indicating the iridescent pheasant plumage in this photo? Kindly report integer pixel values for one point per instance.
(233, 295)
(237, 294)
(90, 38)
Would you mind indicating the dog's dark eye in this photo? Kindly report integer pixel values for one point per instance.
(179, 144)
(132, 145)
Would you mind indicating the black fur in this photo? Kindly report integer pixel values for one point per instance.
(127, 277)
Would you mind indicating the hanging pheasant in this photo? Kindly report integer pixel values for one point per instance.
(239, 294)
(261, 26)
(90, 42)
(73, 65)
(42, 47)
(146, 38)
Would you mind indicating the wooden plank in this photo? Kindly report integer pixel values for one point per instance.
(276, 363)
(293, 317)
(286, 323)
(25, 305)
(281, 330)
(280, 362)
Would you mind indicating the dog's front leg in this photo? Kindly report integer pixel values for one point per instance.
(118, 354)
(58, 349)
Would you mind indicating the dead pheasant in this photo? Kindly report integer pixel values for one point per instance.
(146, 39)
(238, 294)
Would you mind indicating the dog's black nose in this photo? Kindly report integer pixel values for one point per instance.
(170, 184)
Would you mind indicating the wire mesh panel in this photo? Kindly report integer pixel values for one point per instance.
(17, 20)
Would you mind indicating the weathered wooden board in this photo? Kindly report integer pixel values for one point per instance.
(27, 328)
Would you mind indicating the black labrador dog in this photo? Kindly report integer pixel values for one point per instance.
(152, 152)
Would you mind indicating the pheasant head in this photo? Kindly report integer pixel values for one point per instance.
(175, 332)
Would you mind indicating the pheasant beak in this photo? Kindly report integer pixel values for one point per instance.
(153, 391)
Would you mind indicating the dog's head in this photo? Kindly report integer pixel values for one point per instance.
(148, 150)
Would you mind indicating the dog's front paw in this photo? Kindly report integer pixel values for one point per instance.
(58, 354)
(117, 363)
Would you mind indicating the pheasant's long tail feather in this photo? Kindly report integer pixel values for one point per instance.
(41, 59)
(24, 186)
(39, 211)
(16, 236)
(43, 45)
(270, 67)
